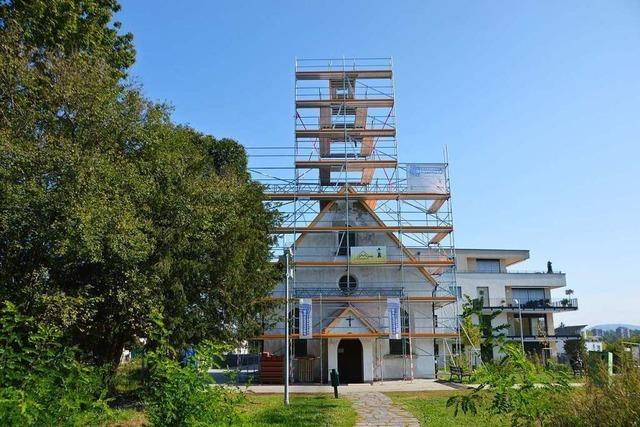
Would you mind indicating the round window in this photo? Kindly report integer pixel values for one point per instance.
(348, 284)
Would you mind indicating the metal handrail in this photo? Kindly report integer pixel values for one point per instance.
(532, 304)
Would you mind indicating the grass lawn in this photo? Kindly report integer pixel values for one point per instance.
(305, 410)
(267, 410)
(128, 418)
(430, 408)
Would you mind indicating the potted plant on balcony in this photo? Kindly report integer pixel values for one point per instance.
(566, 301)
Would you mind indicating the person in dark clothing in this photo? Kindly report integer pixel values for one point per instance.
(549, 267)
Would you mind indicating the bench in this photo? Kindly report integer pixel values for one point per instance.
(456, 371)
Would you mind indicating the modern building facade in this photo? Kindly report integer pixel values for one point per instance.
(591, 342)
(370, 238)
(528, 300)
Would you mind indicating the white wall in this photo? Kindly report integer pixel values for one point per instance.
(323, 247)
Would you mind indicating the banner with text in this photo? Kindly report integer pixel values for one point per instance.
(306, 318)
(426, 178)
(393, 306)
(368, 254)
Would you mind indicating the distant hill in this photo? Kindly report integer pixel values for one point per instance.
(613, 326)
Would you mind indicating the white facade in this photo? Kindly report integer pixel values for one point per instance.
(488, 274)
(361, 313)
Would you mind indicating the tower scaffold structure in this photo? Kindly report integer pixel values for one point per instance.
(361, 227)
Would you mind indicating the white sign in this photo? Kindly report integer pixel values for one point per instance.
(306, 319)
(426, 178)
(368, 254)
(393, 308)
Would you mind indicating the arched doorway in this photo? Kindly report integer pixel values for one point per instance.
(350, 361)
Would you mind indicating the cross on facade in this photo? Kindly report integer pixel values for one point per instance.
(350, 319)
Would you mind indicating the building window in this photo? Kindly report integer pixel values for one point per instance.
(299, 346)
(483, 294)
(348, 284)
(532, 325)
(487, 265)
(401, 346)
(346, 240)
(529, 297)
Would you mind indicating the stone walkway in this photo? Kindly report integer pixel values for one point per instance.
(376, 409)
(392, 385)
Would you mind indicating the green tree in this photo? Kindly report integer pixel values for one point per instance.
(109, 210)
(477, 327)
(52, 29)
(576, 349)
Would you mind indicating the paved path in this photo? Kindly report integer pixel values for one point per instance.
(376, 409)
(393, 385)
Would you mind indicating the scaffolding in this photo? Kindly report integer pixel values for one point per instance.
(341, 184)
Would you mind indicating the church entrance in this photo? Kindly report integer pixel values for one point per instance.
(350, 361)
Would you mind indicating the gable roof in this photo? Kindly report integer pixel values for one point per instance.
(354, 312)
(378, 220)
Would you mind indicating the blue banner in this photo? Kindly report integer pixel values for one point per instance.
(393, 306)
(306, 318)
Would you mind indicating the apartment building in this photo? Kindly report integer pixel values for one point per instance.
(528, 299)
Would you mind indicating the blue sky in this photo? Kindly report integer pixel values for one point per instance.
(537, 102)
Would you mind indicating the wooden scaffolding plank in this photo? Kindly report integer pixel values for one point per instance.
(367, 229)
(358, 195)
(338, 75)
(436, 205)
(437, 238)
(340, 133)
(349, 103)
(348, 164)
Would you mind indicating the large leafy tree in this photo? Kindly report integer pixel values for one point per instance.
(50, 29)
(110, 211)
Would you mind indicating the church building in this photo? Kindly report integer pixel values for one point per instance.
(369, 240)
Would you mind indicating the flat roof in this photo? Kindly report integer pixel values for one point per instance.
(511, 256)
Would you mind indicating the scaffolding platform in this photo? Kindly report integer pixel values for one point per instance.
(341, 183)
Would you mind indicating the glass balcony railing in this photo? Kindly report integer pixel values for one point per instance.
(532, 304)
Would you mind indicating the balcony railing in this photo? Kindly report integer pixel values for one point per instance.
(514, 335)
(536, 305)
(513, 272)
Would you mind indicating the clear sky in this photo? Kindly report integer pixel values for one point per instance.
(538, 103)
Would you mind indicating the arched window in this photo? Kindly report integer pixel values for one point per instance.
(348, 284)
(299, 346)
(401, 346)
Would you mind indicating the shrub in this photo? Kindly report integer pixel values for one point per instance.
(41, 381)
(614, 403)
(184, 394)
(515, 388)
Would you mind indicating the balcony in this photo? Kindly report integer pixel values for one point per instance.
(540, 305)
(538, 338)
(515, 279)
